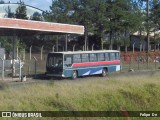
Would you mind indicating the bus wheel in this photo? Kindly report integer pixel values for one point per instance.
(74, 75)
(104, 72)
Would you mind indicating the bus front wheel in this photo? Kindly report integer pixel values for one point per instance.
(104, 72)
(74, 75)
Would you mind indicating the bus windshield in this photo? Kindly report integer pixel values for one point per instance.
(55, 60)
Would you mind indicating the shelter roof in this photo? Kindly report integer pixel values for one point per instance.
(10, 26)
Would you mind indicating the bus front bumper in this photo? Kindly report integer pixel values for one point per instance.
(55, 75)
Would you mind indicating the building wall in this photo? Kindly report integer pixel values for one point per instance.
(137, 43)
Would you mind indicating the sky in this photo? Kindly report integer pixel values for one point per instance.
(41, 4)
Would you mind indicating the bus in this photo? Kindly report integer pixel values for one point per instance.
(82, 63)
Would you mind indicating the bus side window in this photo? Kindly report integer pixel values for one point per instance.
(117, 56)
(112, 56)
(107, 56)
(93, 57)
(77, 58)
(85, 58)
(100, 56)
(67, 61)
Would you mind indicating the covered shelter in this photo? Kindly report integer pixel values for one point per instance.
(13, 27)
(18, 27)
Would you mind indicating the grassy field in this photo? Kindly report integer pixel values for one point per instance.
(132, 93)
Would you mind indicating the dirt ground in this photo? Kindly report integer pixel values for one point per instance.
(41, 79)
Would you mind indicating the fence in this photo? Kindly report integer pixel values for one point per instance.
(139, 61)
(36, 64)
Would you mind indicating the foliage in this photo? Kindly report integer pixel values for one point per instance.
(6, 43)
(9, 12)
(21, 11)
(98, 16)
(2, 2)
(157, 41)
(37, 16)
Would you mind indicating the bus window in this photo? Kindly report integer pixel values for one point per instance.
(93, 57)
(67, 61)
(107, 56)
(85, 58)
(112, 56)
(100, 56)
(77, 58)
(55, 61)
(117, 56)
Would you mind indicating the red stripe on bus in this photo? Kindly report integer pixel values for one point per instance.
(95, 63)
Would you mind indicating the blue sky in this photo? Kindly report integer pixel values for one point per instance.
(41, 4)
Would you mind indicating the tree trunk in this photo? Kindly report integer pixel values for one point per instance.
(101, 43)
(154, 47)
(110, 46)
(143, 47)
(126, 48)
(86, 38)
(119, 47)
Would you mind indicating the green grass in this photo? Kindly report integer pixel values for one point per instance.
(135, 93)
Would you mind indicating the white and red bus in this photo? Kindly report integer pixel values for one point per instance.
(82, 63)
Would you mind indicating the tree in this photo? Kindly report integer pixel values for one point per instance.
(37, 16)
(9, 12)
(21, 11)
(74, 12)
(123, 18)
(2, 2)
(99, 17)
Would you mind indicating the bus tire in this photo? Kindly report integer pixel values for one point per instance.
(74, 75)
(104, 72)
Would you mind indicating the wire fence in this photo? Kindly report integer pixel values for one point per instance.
(139, 62)
(36, 64)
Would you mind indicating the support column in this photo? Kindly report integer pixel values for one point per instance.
(57, 45)
(66, 42)
(13, 54)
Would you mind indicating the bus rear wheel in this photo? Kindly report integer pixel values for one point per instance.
(74, 75)
(104, 72)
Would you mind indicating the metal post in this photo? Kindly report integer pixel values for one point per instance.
(155, 62)
(42, 51)
(17, 51)
(53, 48)
(30, 52)
(130, 62)
(24, 54)
(28, 70)
(140, 47)
(20, 72)
(66, 41)
(74, 47)
(35, 70)
(138, 62)
(83, 48)
(92, 47)
(133, 46)
(57, 45)
(13, 55)
(2, 68)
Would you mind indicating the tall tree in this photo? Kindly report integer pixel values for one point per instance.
(9, 13)
(98, 16)
(21, 11)
(37, 16)
(2, 2)
(75, 12)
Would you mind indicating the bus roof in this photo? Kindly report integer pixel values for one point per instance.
(82, 52)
